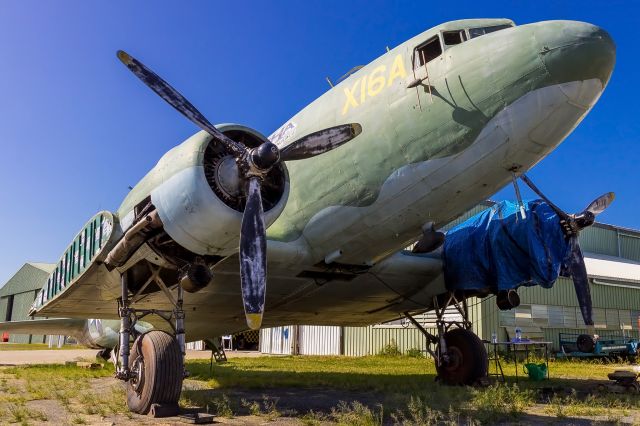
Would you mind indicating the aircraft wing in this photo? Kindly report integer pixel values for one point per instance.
(65, 326)
(299, 291)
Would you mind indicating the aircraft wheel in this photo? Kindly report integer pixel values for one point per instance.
(468, 360)
(104, 354)
(157, 360)
(586, 343)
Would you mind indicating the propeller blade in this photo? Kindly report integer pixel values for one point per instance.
(253, 256)
(535, 189)
(320, 142)
(599, 205)
(580, 281)
(179, 102)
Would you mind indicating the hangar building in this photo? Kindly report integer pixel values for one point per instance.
(17, 295)
(612, 257)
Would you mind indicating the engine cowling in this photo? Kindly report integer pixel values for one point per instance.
(103, 334)
(200, 199)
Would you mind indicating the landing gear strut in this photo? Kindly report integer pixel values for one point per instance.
(460, 356)
(153, 367)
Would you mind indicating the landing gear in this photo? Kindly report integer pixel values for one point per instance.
(157, 364)
(467, 358)
(104, 354)
(153, 367)
(460, 356)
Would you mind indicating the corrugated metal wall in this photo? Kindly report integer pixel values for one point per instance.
(21, 304)
(319, 340)
(612, 306)
(616, 305)
(302, 339)
(371, 340)
(630, 246)
(3, 308)
(596, 239)
(277, 340)
(360, 341)
(610, 241)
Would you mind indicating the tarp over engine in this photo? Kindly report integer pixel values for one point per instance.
(498, 250)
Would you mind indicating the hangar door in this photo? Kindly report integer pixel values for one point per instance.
(276, 340)
(319, 340)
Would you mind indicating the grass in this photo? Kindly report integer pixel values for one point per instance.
(21, 414)
(407, 392)
(366, 373)
(357, 414)
(70, 385)
(501, 403)
(363, 391)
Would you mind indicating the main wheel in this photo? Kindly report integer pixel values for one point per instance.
(104, 354)
(586, 343)
(468, 360)
(157, 361)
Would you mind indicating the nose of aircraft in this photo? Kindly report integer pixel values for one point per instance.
(576, 51)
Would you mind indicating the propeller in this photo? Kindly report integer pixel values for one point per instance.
(572, 224)
(253, 166)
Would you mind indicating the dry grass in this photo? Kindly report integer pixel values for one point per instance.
(70, 386)
(363, 391)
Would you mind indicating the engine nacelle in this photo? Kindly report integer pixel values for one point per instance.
(92, 333)
(200, 199)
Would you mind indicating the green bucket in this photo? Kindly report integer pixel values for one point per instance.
(536, 372)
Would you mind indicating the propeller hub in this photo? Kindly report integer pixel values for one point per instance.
(585, 219)
(265, 156)
(228, 177)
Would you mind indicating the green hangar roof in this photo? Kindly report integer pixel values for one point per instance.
(30, 277)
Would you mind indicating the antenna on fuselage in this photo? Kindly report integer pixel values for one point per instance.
(329, 81)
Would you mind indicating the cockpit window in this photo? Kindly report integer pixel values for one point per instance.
(427, 52)
(477, 32)
(454, 37)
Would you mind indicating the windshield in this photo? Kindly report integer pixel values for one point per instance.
(477, 32)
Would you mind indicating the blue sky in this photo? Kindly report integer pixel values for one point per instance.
(77, 128)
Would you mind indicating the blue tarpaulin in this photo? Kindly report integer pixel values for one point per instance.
(498, 250)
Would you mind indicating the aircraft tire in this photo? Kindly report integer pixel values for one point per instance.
(469, 359)
(157, 354)
(586, 343)
(104, 354)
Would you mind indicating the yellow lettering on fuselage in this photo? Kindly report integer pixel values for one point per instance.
(372, 84)
(397, 70)
(351, 101)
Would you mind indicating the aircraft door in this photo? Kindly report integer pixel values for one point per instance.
(427, 64)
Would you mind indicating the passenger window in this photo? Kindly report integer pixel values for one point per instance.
(427, 52)
(454, 37)
(477, 32)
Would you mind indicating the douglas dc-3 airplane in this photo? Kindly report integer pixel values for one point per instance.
(329, 201)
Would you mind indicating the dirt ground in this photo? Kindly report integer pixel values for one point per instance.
(54, 356)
